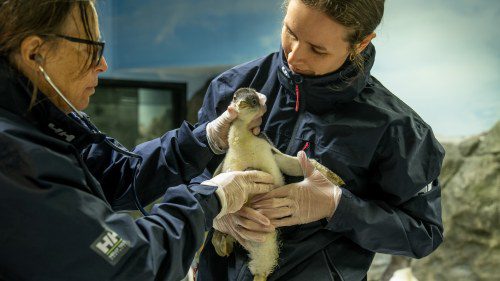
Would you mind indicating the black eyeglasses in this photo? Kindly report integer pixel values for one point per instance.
(99, 44)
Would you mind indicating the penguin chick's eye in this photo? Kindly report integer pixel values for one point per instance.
(254, 101)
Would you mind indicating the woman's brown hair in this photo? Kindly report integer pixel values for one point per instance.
(360, 17)
(20, 19)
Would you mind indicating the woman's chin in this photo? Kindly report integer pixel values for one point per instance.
(82, 104)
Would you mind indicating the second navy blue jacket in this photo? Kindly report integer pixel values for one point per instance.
(62, 190)
(386, 154)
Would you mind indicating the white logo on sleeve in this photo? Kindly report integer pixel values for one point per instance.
(110, 246)
(428, 187)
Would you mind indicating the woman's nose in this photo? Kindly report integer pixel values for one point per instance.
(102, 66)
(295, 56)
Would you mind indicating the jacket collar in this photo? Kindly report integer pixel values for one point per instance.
(320, 94)
(15, 97)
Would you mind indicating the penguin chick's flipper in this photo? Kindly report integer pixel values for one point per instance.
(331, 176)
(289, 165)
(223, 243)
(219, 168)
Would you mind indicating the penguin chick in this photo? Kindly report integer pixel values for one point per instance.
(249, 152)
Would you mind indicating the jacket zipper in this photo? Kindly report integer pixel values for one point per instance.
(298, 80)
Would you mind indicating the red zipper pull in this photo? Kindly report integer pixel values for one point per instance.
(306, 146)
(297, 97)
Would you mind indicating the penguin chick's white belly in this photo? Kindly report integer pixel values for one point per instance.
(248, 152)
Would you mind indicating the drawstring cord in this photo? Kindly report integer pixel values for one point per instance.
(297, 97)
(306, 146)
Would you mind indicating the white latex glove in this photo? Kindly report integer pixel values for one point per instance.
(245, 225)
(303, 202)
(218, 129)
(234, 188)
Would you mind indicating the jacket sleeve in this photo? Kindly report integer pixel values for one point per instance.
(172, 159)
(51, 230)
(218, 96)
(405, 219)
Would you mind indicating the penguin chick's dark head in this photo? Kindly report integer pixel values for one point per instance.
(247, 103)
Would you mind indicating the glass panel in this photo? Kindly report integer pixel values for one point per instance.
(155, 113)
(132, 115)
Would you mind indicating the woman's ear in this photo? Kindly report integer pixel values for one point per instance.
(361, 46)
(29, 56)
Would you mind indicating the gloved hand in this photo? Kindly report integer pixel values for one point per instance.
(218, 129)
(245, 225)
(310, 200)
(234, 188)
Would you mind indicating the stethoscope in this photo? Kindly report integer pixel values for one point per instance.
(86, 120)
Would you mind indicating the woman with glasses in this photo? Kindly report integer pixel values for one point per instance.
(323, 100)
(63, 183)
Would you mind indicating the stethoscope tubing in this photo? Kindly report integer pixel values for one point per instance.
(122, 150)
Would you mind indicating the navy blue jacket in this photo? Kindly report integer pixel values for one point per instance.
(61, 190)
(380, 147)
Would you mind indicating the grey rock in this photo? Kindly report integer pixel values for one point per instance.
(468, 146)
(491, 142)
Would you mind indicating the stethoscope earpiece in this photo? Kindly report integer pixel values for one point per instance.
(37, 57)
